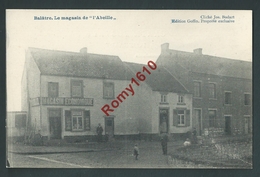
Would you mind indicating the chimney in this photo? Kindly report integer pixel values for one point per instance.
(198, 51)
(164, 47)
(84, 50)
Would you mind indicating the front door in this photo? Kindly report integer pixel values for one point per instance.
(228, 125)
(109, 127)
(164, 120)
(198, 121)
(55, 124)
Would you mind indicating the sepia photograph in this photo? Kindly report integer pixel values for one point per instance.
(148, 89)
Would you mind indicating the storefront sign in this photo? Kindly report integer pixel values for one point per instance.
(67, 101)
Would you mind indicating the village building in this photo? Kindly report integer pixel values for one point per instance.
(221, 88)
(63, 93)
(16, 125)
(165, 105)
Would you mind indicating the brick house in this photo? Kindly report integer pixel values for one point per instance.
(221, 88)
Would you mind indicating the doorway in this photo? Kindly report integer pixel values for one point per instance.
(228, 125)
(55, 123)
(164, 120)
(248, 124)
(109, 127)
(198, 121)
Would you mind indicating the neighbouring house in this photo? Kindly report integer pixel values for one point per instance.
(16, 125)
(165, 105)
(221, 88)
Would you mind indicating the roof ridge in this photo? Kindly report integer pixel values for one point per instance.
(69, 52)
(205, 55)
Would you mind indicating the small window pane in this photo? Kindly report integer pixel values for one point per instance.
(247, 99)
(212, 90)
(227, 97)
(197, 89)
(108, 90)
(76, 89)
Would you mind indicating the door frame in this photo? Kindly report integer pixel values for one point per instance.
(230, 116)
(61, 127)
(249, 127)
(168, 119)
(112, 118)
(201, 124)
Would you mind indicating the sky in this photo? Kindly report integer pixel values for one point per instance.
(134, 36)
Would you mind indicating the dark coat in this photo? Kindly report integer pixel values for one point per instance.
(99, 130)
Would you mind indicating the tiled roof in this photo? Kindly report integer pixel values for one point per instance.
(208, 64)
(159, 79)
(74, 64)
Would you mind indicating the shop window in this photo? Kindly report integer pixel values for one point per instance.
(76, 88)
(247, 99)
(212, 90)
(212, 118)
(197, 89)
(108, 90)
(227, 97)
(53, 89)
(77, 120)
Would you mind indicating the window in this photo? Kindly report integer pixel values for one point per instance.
(76, 88)
(212, 90)
(181, 118)
(197, 89)
(163, 98)
(180, 98)
(227, 97)
(212, 118)
(77, 120)
(108, 90)
(53, 89)
(247, 99)
(74, 120)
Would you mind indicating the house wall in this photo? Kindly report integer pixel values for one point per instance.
(238, 86)
(172, 104)
(126, 116)
(30, 90)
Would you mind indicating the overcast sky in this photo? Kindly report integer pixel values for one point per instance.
(134, 36)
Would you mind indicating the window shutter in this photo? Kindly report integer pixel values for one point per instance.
(175, 117)
(68, 124)
(87, 120)
(187, 124)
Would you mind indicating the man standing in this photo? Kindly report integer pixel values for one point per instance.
(99, 133)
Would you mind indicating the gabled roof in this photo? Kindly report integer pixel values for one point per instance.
(159, 79)
(61, 63)
(207, 64)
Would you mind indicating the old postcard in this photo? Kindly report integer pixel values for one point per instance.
(129, 89)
